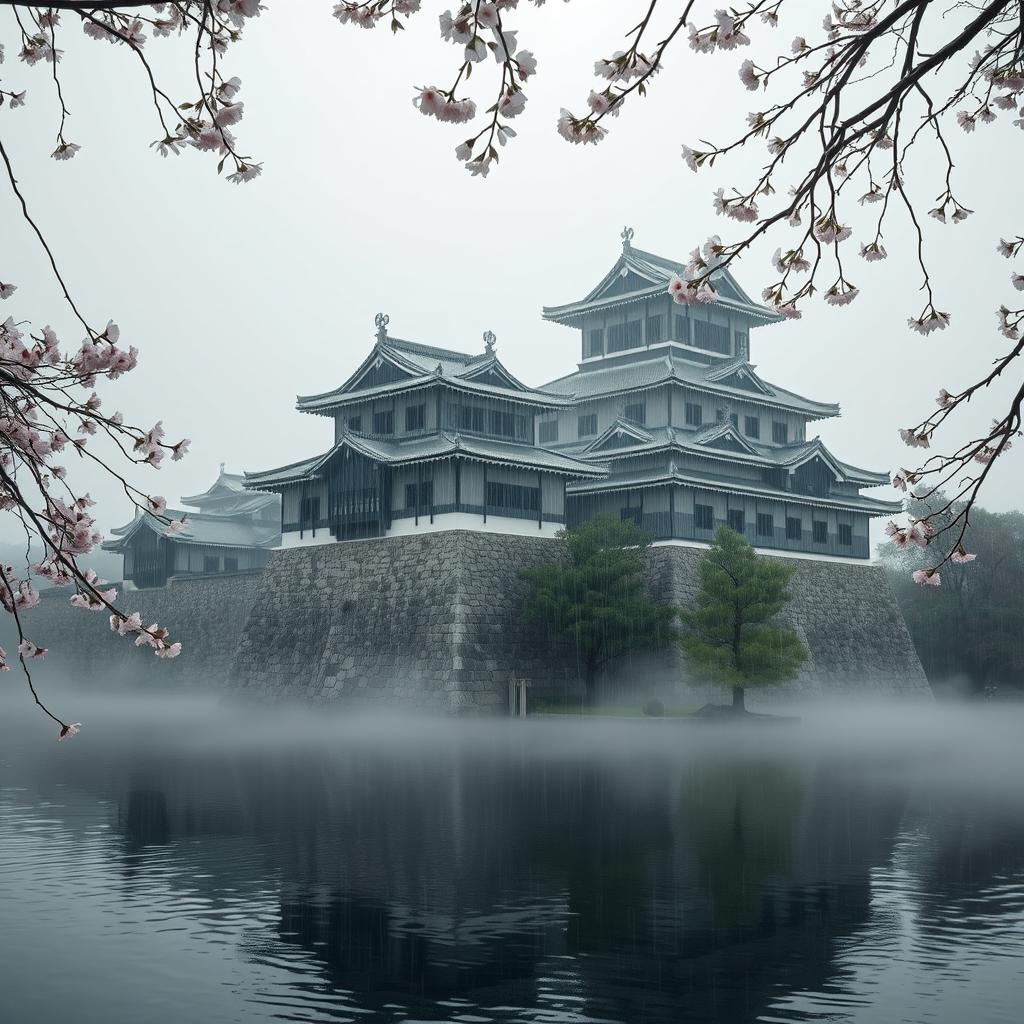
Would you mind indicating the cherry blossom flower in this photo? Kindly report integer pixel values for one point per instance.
(841, 294)
(930, 320)
(692, 158)
(27, 649)
(914, 440)
(245, 172)
(124, 624)
(904, 478)
(873, 252)
(960, 557)
(175, 526)
(748, 75)
(230, 113)
(487, 15)
(737, 208)
(829, 230)
(927, 577)
(526, 64)
(577, 130)
(945, 399)
(512, 103)
(69, 731)
(65, 150)
(7, 290)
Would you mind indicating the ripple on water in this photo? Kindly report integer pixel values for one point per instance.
(507, 882)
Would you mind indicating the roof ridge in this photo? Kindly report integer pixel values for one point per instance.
(432, 350)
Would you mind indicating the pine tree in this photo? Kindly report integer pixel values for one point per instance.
(730, 637)
(595, 596)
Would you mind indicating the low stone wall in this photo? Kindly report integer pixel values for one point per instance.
(433, 622)
(207, 614)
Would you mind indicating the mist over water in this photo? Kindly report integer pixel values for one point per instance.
(186, 860)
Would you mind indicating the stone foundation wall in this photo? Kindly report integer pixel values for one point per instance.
(206, 614)
(846, 616)
(433, 622)
(425, 621)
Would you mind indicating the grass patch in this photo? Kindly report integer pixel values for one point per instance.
(579, 708)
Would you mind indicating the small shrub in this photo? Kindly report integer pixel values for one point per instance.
(654, 708)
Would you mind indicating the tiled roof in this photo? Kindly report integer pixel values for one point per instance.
(426, 366)
(621, 481)
(658, 270)
(228, 493)
(699, 441)
(429, 448)
(213, 531)
(637, 376)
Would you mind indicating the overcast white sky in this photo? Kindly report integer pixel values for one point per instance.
(239, 298)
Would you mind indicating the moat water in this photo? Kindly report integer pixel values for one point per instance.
(180, 862)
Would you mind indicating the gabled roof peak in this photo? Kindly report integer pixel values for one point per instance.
(620, 427)
(639, 274)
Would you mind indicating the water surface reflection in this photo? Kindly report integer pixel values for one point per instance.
(187, 863)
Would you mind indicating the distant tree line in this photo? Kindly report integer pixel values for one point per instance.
(971, 628)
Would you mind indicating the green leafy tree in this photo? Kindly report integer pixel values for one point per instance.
(969, 628)
(596, 597)
(731, 638)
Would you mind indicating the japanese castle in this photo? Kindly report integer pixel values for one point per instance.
(665, 421)
(233, 530)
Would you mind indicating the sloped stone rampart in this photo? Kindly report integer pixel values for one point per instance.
(433, 622)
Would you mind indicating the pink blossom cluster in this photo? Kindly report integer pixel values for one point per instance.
(153, 635)
(477, 30)
(41, 416)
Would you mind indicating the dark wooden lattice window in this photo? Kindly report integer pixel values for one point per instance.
(548, 431)
(426, 491)
(384, 422)
(680, 328)
(636, 412)
(765, 524)
(780, 432)
(595, 343)
(820, 532)
(712, 337)
(211, 563)
(309, 511)
(415, 417)
(230, 564)
(694, 414)
(587, 425)
(794, 528)
(514, 497)
(655, 329)
(845, 533)
(736, 519)
(624, 336)
(752, 426)
(703, 517)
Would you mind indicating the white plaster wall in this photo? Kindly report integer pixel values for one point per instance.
(467, 521)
